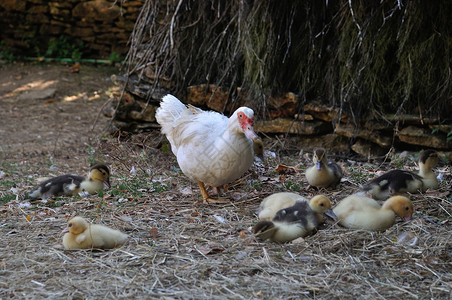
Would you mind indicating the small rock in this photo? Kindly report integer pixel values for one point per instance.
(38, 94)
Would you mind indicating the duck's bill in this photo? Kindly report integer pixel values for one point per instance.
(65, 230)
(249, 132)
(107, 183)
(318, 165)
(330, 213)
(408, 218)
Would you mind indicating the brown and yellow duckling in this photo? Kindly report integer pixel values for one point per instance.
(427, 161)
(287, 216)
(258, 148)
(79, 234)
(72, 184)
(360, 212)
(324, 173)
(401, 181)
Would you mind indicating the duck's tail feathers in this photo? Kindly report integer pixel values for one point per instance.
(36, 193)
(264, 229)
(169, 111)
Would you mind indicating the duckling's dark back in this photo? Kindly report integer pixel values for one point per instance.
(337, 170)
(56, 185)
(395, 180)
(300, 213)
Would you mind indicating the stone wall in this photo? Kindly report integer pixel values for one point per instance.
(104, 26)
(310, 124)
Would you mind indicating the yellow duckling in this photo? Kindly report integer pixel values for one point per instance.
(79, 234)
(427, 161)
(287, 216)
(72, 184)
(401, 181)
(360, 212)
(324, 173)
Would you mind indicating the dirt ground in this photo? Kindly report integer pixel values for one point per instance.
(50, 124)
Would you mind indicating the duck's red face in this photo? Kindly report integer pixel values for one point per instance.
(246, 123)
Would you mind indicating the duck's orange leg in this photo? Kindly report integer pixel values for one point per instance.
(205, 196)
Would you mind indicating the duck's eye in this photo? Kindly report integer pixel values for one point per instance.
(321, 204)
(69, 225)
(240, 115)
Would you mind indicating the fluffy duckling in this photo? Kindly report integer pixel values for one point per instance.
(360, 212)
(427, 161)
(324, 173)
(72, 184)
(258, 147)
(287, 216)
(275, 202)
(401, 181)
(79, 234)
(392, 182)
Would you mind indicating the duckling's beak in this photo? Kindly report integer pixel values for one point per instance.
(65, 230)
(318, 165)
(407, 218)
(330, 213)
(107, 182)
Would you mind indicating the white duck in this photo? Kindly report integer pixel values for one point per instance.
(210, 148)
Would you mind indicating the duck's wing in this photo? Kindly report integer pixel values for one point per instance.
(395, 180)
(337, 170)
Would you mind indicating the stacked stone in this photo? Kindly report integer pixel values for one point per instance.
(315, 124)
(104, 26)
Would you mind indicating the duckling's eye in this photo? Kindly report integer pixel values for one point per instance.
(321, 204)
(407, 208)
(69, 225)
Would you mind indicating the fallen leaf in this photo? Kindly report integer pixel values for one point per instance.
(207, 251)
(48, 101)
(285, 169)
(154, 233)
(28, 218)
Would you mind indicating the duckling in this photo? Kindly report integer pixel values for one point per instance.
(258, 147)
(401, 181)
(275, 202)
(392, 182)
(324, 173)
(360, 212)
(79, 234)
(71, 184)
(427, 161)
(296, 217)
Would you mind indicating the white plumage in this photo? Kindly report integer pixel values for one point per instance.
(210, 148)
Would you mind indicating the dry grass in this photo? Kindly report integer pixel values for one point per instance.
(179, 249)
